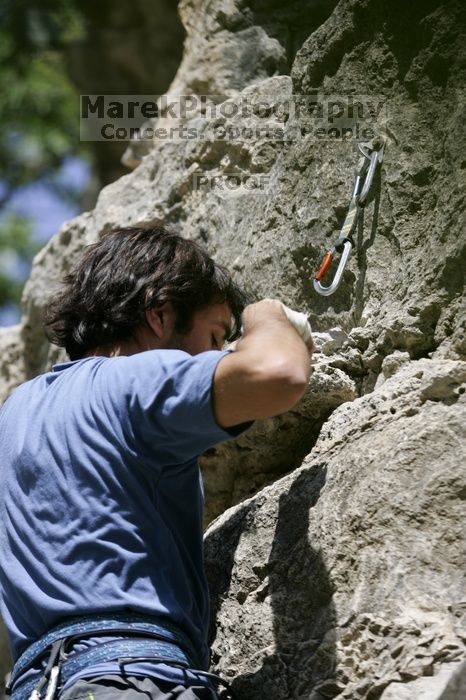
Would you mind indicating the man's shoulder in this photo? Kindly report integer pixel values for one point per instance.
(147, 360)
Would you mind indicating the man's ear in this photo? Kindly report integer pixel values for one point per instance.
(156, 320)
(161, 319)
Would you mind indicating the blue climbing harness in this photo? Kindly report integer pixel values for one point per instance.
(146, 639)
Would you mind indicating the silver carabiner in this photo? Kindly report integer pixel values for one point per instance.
(326, 291)
(372, 152)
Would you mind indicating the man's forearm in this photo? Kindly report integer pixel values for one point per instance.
(268, 372)
(270, 340)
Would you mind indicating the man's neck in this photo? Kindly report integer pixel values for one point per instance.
(124, 347)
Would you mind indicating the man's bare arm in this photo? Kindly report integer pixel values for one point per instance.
(269, 370)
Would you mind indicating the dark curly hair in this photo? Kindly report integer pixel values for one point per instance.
(127, 271)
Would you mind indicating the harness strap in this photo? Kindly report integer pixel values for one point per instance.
(121, 649)
(117, 623)
(161, 640)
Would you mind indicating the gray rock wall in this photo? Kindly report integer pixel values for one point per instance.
(137, 48)
(345, 578)
(342, 578)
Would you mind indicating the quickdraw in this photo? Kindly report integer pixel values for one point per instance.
(372, 156)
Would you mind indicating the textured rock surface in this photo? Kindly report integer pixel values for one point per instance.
(12, 368)
(235, 470)
(236, 43)
(448, 684)
(403, 290)
(343, 578)
(332, 582)
(137, 47)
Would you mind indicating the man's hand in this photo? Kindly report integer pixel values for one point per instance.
(270, 368)
(301, 324)
(297, 319)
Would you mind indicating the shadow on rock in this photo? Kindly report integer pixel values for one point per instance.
(300, 594)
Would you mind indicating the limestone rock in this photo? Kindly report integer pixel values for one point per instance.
(137, 47)
(233, 44)
(48, 269)
(346, 577)
(403, 290)
(448, 684)
(391, 364)
(270, 448)
(330, 341)
(11, 360)
(343, 578)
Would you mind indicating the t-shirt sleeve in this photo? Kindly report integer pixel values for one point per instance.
(164, 402)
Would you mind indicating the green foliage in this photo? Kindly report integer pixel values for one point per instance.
(16, 247)
(39, 107)
(35, 25)
(39, 123)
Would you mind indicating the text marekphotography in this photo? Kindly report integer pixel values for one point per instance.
(242, 118)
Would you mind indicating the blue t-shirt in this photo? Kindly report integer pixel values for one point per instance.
(101, 498)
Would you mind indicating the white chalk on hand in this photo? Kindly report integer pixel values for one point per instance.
(299, 321)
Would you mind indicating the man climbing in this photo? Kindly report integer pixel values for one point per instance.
(101, 571)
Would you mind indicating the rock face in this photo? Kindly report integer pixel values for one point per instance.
(341, 579)
(448, 684)
(235, 470)
(12, 369)
(332, 583)
(233, 44)
(137, 47)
